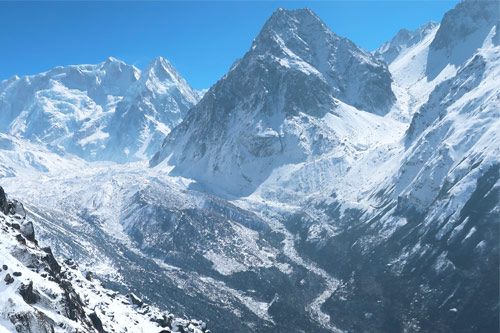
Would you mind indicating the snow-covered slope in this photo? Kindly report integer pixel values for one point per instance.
(439, 51)
(108, 111)
(138, 230)
(40, 294)
(292, 96)
(154, 105)
(403, 41)
(417, 234)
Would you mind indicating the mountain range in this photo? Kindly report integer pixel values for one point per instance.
(316, 187)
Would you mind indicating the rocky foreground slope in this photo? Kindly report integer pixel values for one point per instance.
(39, 293)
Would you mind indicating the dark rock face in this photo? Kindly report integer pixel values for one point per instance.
(51, 261)
(89, 276)
(28, 231)
(301, 33)
(4, 204)
(29, 295)
(470, 22)
(27, 322)
(295, 72)
(96, 322)
(135, 300)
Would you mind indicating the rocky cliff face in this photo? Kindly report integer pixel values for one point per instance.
(271, 108)
(423, 254)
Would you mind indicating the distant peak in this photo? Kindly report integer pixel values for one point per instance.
(112, 62)
(160, 70)
(161, 66)
(161, 63)
(429, 25)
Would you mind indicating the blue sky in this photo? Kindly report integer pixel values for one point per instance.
(201, 39)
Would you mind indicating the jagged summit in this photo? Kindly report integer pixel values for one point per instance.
(113, 61)
(80, 109)
(160, 77)
(285, 20)
(161, 68)
(269, 108)
(300, 39)
(403, 40)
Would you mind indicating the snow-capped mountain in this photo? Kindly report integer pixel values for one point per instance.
(419, 245)
(39, 294)
(314, 188)
(154, 105)
(403, 40)
(108, 111)
(409, 201)
(292, 96)
(419, 68)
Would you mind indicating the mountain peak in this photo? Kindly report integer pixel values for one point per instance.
(113, 62)
(296, 13)
(112, 59)
(292, 21)
(160, 61)
(160, 76)
(161, 69)
(403, 39)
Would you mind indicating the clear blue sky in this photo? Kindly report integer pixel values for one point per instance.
(202, 39)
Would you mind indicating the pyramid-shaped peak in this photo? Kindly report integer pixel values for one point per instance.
(298, 30)
(303, 13)
(160, 61)
(162, 69)
(287, 18)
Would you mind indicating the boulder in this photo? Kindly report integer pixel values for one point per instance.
(29, 295)
(28, 231)
(135, 300)
(51, 261)
(96, 321)
(8, 279)
(89, 276)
